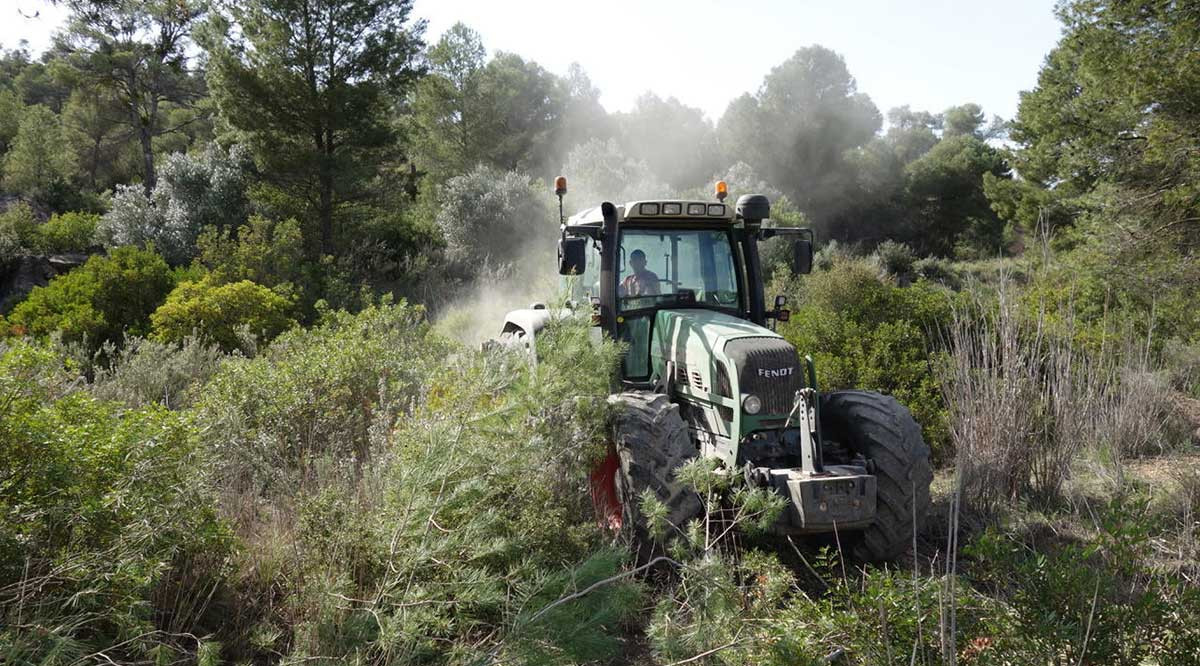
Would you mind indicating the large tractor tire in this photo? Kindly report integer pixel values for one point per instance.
(887, 435)
(650, 442)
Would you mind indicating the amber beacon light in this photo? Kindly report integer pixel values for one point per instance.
(722, 190)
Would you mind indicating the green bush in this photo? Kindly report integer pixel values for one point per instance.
(895, 259)
(68, 232)
(98, 302)
(937, 270)
(875, 616)
(224, 314)
(833, 253)
(262, 250)
(514, 514)
(865, 334)
(108, 537)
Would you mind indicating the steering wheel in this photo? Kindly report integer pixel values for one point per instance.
(714, 297)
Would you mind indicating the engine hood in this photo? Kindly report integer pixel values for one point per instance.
(679, 329)
(718, 359)
(695, 343)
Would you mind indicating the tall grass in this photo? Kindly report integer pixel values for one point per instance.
(1026, 401)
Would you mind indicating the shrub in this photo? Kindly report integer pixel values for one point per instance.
(895, 259)
(97, 302)
(936, 269)
(1183, 361)
(361, 458)
(489, 215)
(833, 253)
(103, 508)
(262, 250)
(68, 232)
(865, 334)
(1097, 599)
(223, 313)
(517, 514)
(1024, 402)
(317, 392)
(193, 192)
(145, 372)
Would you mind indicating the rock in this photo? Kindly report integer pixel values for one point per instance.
(22, 275)
(65, 262)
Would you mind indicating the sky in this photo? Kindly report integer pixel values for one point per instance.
(929, 54)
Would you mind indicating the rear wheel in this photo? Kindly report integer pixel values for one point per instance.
(650, 442)
(886, 434)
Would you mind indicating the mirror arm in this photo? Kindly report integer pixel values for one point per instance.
(767, 233)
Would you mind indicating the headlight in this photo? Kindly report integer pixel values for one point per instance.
(751, 404)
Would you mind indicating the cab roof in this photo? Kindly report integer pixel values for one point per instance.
(659, 210)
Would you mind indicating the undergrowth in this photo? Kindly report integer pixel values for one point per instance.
(367, 491)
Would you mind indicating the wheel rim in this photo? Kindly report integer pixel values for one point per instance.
(603, 481)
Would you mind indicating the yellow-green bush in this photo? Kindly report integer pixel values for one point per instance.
(68, 232)
(221, 313)
(425, 501)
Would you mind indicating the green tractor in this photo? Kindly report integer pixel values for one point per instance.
(704, 374)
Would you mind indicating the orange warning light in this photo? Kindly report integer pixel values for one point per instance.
(560, 185)
(722, 190)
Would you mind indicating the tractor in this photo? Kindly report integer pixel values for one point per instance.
(703, 373)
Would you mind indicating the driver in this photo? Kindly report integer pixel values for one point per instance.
(640, 282)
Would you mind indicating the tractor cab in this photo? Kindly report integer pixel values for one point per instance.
(671, 255)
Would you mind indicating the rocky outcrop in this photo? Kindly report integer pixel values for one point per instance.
(20, 277)
(24, 273)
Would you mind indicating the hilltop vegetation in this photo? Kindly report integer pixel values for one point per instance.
(230, 431)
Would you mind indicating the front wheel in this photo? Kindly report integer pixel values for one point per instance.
(650, 441)
(886, 434)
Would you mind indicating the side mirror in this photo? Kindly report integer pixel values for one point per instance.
(802, 257)
(572, 255)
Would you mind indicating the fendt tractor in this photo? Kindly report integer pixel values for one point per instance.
(680, 283)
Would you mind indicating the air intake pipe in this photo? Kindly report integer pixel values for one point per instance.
(608, 269)
(753, 209)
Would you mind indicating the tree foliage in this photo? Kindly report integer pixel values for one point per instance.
(504, 112)
(676, 141)
(1108, 144)
(798, 127)
(137, 51)
(306, 85)
(493, 217)
(39, 158)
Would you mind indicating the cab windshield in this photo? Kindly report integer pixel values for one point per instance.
(666, 267)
